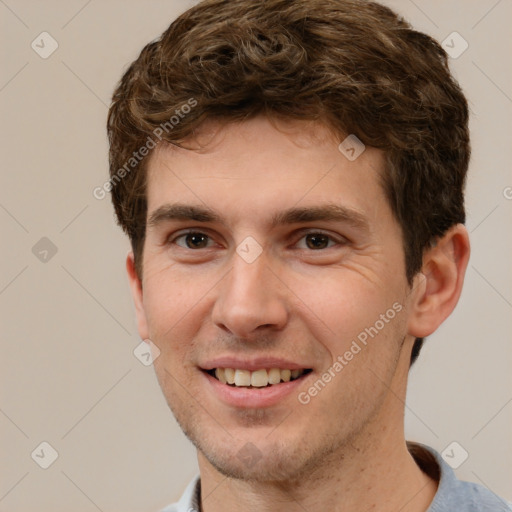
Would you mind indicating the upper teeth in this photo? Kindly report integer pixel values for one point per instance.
(258, 378)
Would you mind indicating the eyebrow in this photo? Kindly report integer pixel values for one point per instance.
(326, 212)
(180, 211)
(295, 215)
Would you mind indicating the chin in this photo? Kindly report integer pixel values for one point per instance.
(251, 464)
(253, 457)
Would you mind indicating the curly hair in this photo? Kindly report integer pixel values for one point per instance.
(353, 65)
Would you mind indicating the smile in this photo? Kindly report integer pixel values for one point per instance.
(258, 378)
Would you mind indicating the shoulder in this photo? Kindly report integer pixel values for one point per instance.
(468, 497)
(452, 493)
(481, 499)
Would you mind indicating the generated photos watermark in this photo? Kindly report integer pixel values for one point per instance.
(343, 360)
(151, 143)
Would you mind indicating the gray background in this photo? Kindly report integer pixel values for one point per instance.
(68, 373)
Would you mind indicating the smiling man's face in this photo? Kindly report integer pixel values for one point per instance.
(270, 250)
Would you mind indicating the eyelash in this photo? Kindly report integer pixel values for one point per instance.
(337, 240)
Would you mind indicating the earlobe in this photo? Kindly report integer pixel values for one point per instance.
(437, 288)
(137, 295)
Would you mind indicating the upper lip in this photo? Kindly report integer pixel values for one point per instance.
(252, 364)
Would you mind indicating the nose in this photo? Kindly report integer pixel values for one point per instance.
(251, 298)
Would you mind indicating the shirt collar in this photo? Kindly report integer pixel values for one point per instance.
(452, 493)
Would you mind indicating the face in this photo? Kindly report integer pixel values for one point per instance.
(270, 255)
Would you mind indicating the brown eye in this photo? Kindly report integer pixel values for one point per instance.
(193, 240)
(317, 241)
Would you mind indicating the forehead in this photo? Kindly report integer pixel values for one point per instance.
(257, 167)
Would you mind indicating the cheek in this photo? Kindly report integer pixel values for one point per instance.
(174, 303)
(341, 304)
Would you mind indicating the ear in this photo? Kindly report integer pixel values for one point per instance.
(136, 289)
(436, 290)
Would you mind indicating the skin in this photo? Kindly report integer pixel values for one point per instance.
(344, 450)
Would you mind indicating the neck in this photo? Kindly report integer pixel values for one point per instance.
(375, 471)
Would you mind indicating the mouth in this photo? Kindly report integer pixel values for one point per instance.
(262, 378)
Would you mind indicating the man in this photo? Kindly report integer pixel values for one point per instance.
(290, 175)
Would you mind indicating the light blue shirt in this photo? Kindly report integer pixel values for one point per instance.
(453, 495)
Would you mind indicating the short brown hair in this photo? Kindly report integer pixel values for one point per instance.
(352, 65)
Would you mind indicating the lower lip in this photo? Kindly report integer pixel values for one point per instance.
(254, 397)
